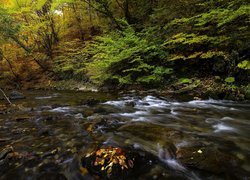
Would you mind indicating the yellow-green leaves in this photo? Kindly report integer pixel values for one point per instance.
(229, 79)
(40, 3)
(244, 64)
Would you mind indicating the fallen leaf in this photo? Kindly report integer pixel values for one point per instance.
(83, 170)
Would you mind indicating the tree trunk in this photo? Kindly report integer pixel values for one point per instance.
(90, 13)
(126, 11)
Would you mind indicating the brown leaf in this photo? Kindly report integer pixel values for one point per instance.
(99, 152)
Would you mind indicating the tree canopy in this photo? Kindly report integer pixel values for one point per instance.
(124, 42)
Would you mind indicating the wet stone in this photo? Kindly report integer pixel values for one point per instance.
(21, 118)
(106, 109)
(49, 117)
(90, 102)
(51, 176)
(105, 122)
(45, 132)
(14, 95)
(4, 139)
(44, 108)
(151, 132)
(3, 109)
(5, 152)
(207, 159)
(108, 162)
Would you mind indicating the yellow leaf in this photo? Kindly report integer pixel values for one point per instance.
(90, 128)
(109, 170)
(83, 170)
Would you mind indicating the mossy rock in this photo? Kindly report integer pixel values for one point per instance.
(207, 159)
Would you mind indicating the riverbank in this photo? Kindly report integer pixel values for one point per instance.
(192, 88)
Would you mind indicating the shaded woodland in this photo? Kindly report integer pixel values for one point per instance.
(126, 44)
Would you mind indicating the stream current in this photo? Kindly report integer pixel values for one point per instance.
(197, 139)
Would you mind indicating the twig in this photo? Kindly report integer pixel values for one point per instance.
(6, 97)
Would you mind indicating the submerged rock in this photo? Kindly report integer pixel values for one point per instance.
(5, 152)
(208, 159)
(104, 122)
(151, 132)
(14, 95)
(44, 132)
(22, 118)
(51, 176)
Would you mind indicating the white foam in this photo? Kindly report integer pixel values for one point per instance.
(44, 97)
(135, 114)
(182, 144)
(60, 109)
(221, 127)
(116, 103)
(226, 118)
(140, 119)
(175, 165)
(79, 116)
(173, 112)
(152, 102)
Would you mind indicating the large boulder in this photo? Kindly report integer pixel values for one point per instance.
(209, 159)
(108, 162)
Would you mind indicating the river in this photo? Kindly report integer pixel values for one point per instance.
(175, 138)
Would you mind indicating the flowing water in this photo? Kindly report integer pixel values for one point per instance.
(205, 139)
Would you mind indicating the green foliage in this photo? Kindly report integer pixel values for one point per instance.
(127, 58)
(129, 42)
(211, 33)
(8, 27)
(185, 81)
(230, 80)
(244, 64)
(70, 63)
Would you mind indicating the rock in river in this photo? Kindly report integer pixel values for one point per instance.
(14, 95)
(208, 159)
(110, 162)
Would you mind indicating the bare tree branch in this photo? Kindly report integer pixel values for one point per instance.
(6, 97)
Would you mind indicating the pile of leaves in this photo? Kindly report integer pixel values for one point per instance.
(108, 162)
